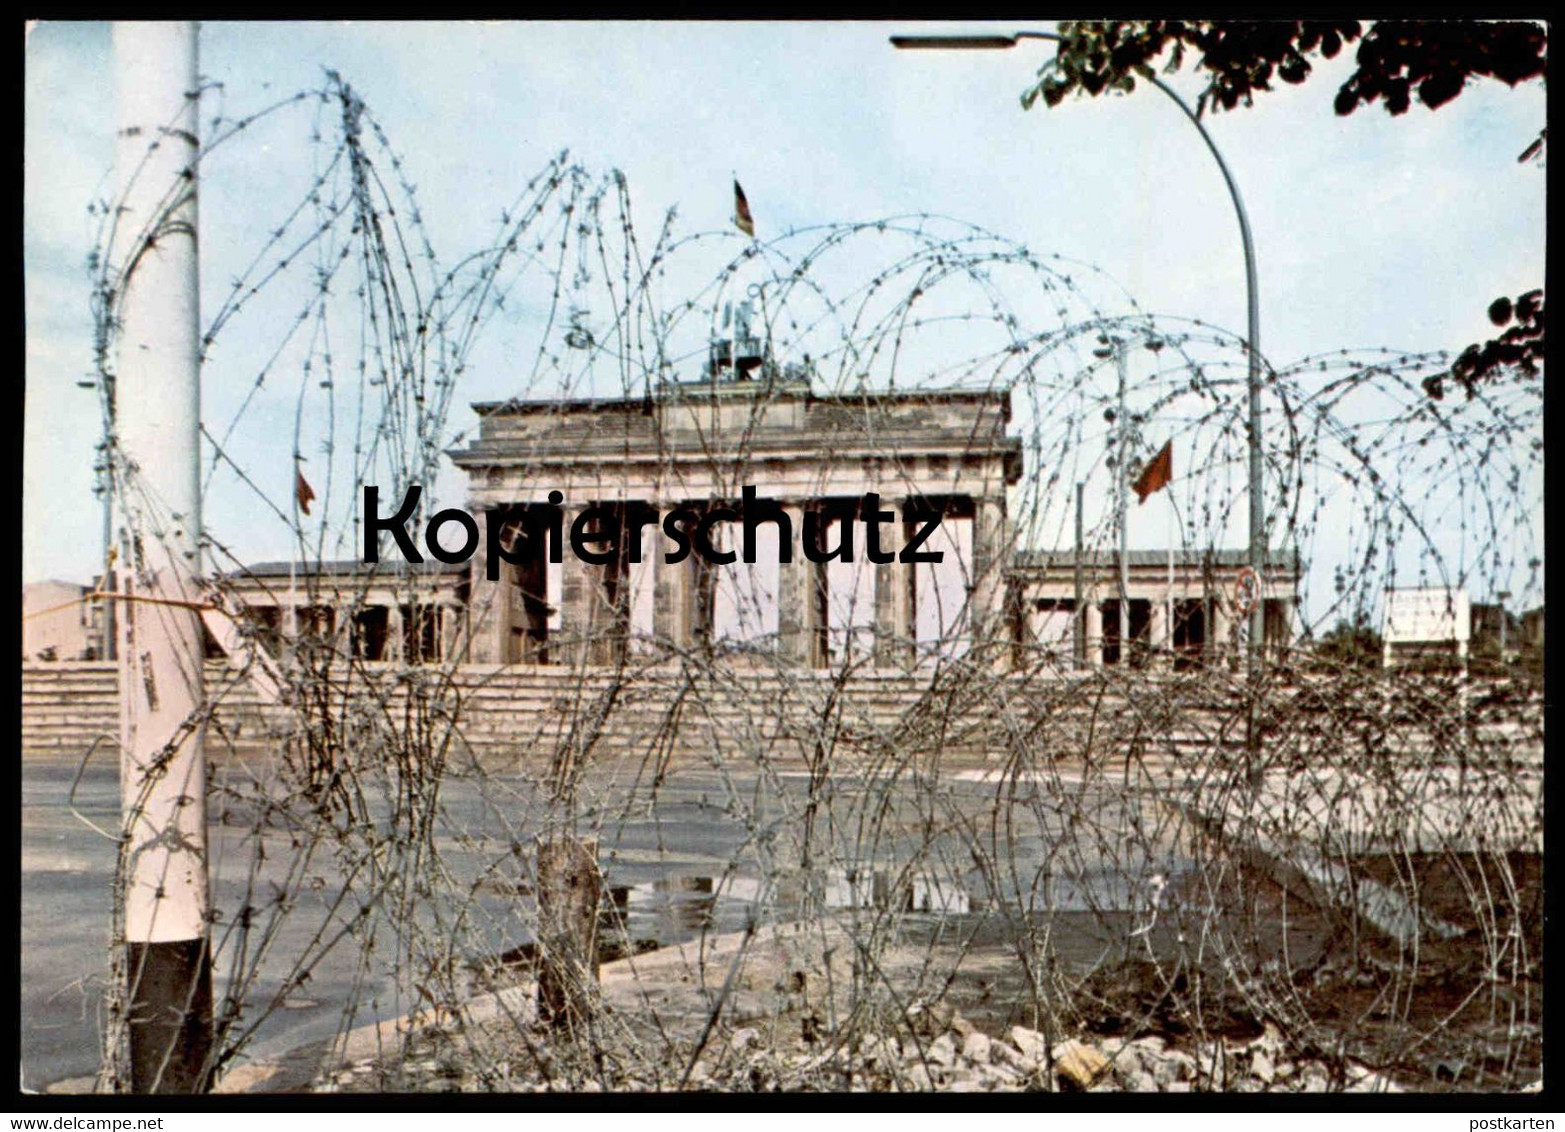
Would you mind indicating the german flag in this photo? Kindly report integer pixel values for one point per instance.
(1156, 475)
(742, 218)
(302, 491)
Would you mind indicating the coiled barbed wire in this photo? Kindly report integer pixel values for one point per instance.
(1101, 817)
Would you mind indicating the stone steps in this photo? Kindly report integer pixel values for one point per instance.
(520, 711)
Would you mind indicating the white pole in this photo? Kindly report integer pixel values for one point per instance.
(163, 765)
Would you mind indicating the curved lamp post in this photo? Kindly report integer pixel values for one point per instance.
(1253, 307)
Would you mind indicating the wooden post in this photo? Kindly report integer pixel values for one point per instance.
(569, 889)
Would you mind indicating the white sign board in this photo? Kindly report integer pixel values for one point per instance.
(1426, 616)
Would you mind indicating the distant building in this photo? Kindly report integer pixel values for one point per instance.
(1486, 635)
(759, 431)
(57, 623)
(1185, 605)
(389, 611)
(696, 445)
(1532, 628)
(1426, 624)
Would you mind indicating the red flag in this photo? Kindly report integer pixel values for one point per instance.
(1158, 474)
(302, 491)
(742, 218)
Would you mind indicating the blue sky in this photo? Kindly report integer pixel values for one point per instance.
(1370, 230)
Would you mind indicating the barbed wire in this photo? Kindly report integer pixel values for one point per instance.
(1073, 849)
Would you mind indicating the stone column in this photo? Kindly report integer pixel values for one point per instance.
(902, 627)
(815, 616)
(1158, 631)
(894, 600)
(670, 584)
(1282, 624)
(986, 615)
(394, 630)
(488, 602)
(885, 613)
(449, 630)
(793, 594)
(1094, 631)
(641, 599)
(1220, 642)
(575, 598)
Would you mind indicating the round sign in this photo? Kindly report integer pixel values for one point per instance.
(1247, 591)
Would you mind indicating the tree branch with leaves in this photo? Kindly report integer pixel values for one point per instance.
(1398, 61)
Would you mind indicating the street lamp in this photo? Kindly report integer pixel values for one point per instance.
(1253, 309)
(1114, 347)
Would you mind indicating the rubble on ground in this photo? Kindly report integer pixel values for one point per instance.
(937, 1049)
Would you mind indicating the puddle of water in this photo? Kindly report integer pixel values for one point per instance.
(672, 909)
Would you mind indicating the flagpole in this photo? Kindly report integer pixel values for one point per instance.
(293, 554)
(713, 433)
(1173, 515)
(733, 321)
(1121, 364)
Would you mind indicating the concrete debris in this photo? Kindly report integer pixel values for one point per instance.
(1078, 1065)
(1030, 1042)
(959, 1059)
(976, 1046)
(930, 1020)
(1004, 1054)
(942, 1051)
(1262, 1066)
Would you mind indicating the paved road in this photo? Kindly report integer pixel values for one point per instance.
(67, 875)
(667, 866)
